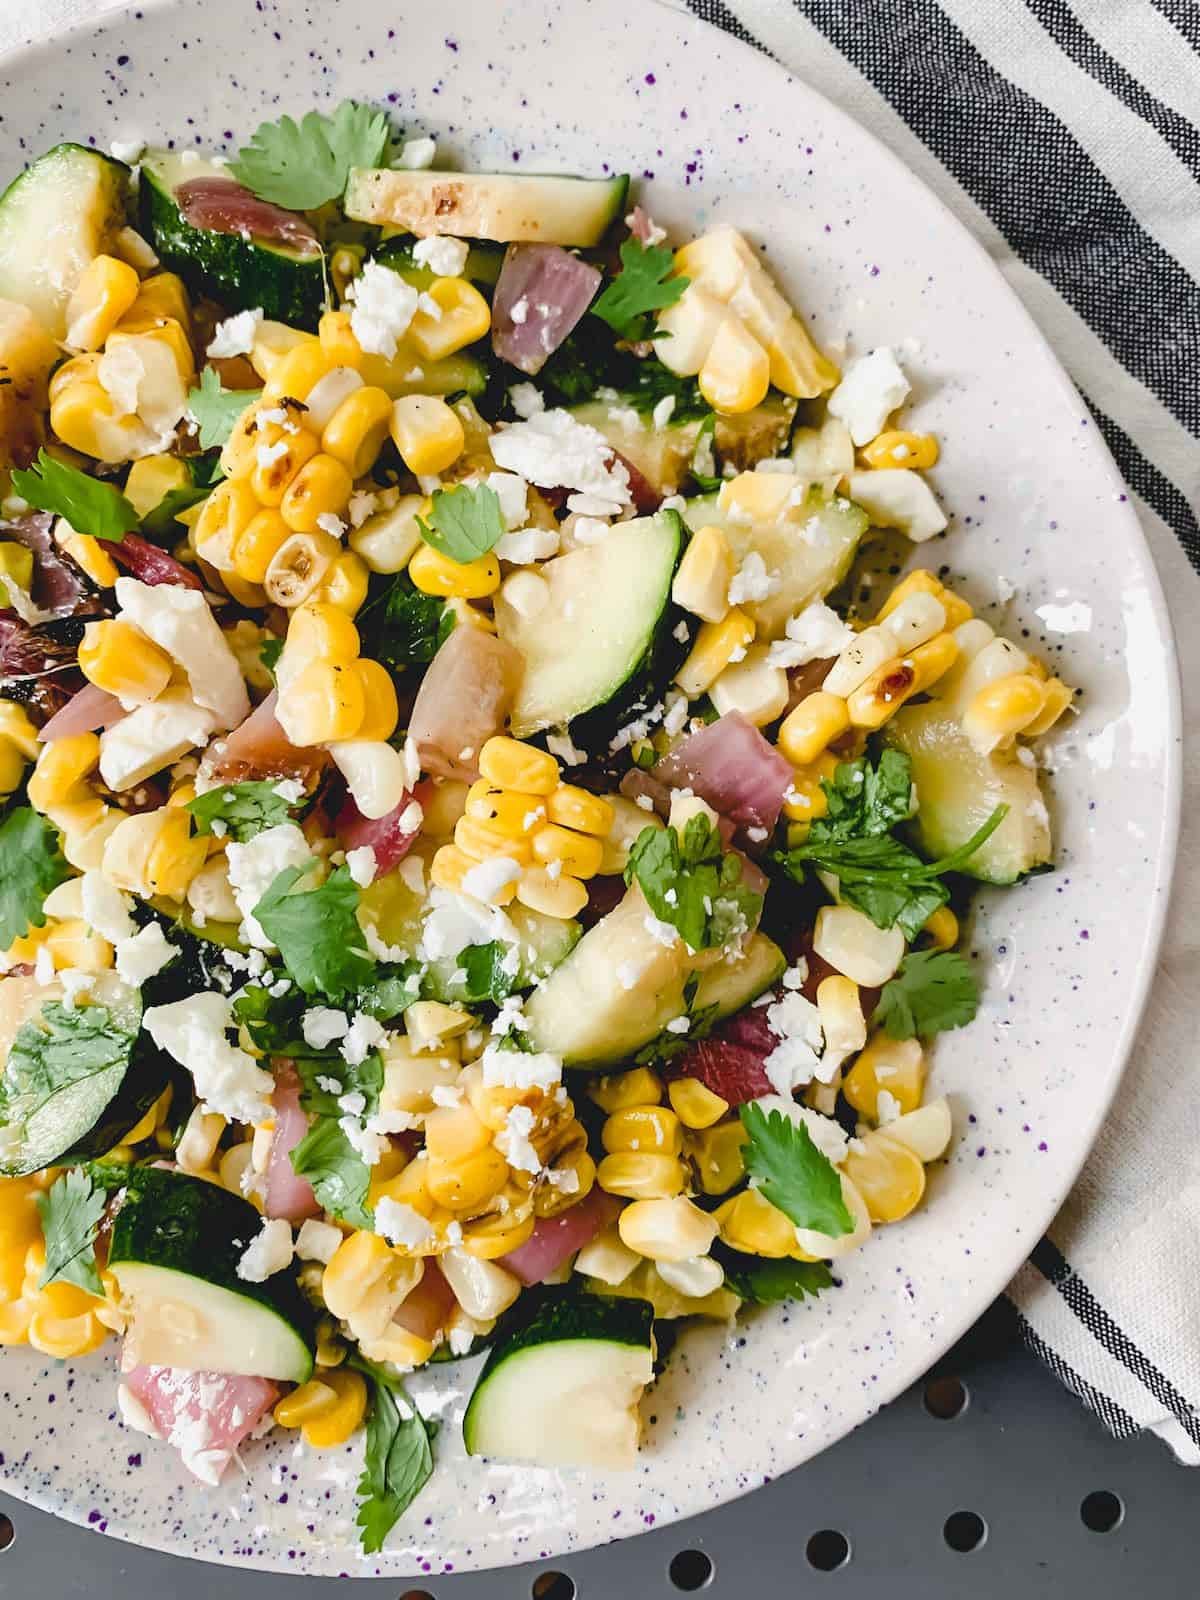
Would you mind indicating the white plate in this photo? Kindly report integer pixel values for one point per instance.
(718, 133)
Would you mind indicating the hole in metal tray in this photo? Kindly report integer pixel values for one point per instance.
(7, 1533)
(945, 1398)
(964, 1531)
(691, 1570)
(1102, 1511)
(827, 1550)
(553, 1586)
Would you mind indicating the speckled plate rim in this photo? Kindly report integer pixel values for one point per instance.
(1028, 1226)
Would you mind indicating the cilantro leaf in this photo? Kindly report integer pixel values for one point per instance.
(302, 165)
(270, 652)
(246, 809)
(670, 1042)
(792, 1173)
(70, 1211)
(464, 522)
(339, 1176)
(160, 522)
(703, 466)
(398, 1460)
(403, 627)
(866, 800)
(89, 505)
(691, 883)
(934, 990)
(642, 286)
(363, 1077)
(769, 1282)
(31, 864)
(317, 932)
(215, 410)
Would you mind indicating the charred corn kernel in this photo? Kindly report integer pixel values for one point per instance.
(73, 944)
(151, 479)
(839, 1006)
(118, 657)
(239, 453)
(427, 433)
(1002, 709)
(932, 660)
(716, 645)
(882, 694)
(321, 488)
(88, 553)
(511, 764)
(898, 448)
(356, 432)
(450, 866)
(434, 573)
(890, 1178)
(162, 297)
(466, 1185)
(667, 1230)
(338, 340)
(379, 697)
(106, 290)
(18, 730)
(641, 1175)
(345, 582)
(806, 799)
(483, 840)
(295, 372)
(576, 853)
(388, 539)
(812, 726)
(224, 518)
(278, 461)
(750, 1223)
(701, 584)
(941, 929)
(716, 1155)
(620, 1090)
(736, 373)
(507, 810)
(1057, 698)
(463, 316)
(571, 807)
(264, 537)
(176, 856)
(325, 702)
(957, 609)
(16, 562)
(62, 766)
(299, 567)
(454, 1132)
(489, 1238)
(695, 1104)
(273, 341)
(553, 1198)
(653, 1128)
(563, 897)
(896, 1066)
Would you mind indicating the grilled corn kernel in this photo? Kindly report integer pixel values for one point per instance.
(563, 897)
(346, 582)
(914, 622)
(434, 573)
(576, 853)
(16, 562)
(667, 1230)
(1057, 698)
(941, 929)
(839, 1006)
(239, 453)
(299, 567)
(919, 581)
(454, 1132)
(812, 726)
(641, 1175)
(162, 297)
(882, 694)
(467, 1184)
(279, 459)
(957, 609)
(450, 866)
(118, 657)
(295, 373)
(255, 549)
(326, 701)
(379, 696)
(356, 431)
(620, 1090)
(511, 764)
(571, 807)
(750, 1223)
(512, 813)
(695, 1104)
(327, 1410)
(175, 857)
(463, 316)
(489, 1238)
(88, 553)
(806, 799)
(224, 518)
(894, 1066)
(753, 687)
(61, 768)
(890, 1178)
(338, 339)
(17, 729)
(388, 539)
(483, 840)
(716, 645)
(736, 373)
(320, 489)
(73, 944)
(898, 448)
(1002, 709)
(427, 433)
(701, 584)
(106, 290)
(653, 1128)
(152, 478)
(83, 417)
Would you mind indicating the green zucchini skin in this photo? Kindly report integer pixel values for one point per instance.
(150, 1070)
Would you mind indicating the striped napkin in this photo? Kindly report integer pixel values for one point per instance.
(1065, 136)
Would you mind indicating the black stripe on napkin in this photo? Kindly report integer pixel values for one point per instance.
(1157, 490)
(1074, 40)
(1184, 15)
(721, 16)
(1057, 1270)
(1114, 1417)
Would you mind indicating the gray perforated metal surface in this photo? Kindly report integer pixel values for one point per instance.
(1020, 1459)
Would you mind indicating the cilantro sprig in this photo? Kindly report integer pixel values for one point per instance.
(31, 864)
(303, 164)
(771, 1282)
(339, 1176)
(215, 409)
(464, 523)
(933, 991)
(643, 286)
(792, 1173)
(244, 809)
(317, 932)
(690, 882)
(71, 1210)
(89, 505)
(398, 1459)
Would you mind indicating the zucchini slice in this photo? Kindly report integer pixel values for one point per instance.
(500, 206)
(732, 985)
(563, 1391)
(174, 1250)
(60, 214)
(239, 272)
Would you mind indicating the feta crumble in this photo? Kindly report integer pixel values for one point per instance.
(382, 307)
(445, 257)
(400, 1224)
(813, 634)
(269, 1252)
(235, 335)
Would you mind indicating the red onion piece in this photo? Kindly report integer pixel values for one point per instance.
(84, 712)
(425, 1310)
(216, 1408)
(58, 585)
(731, 766)
(258, 748)
(541, 293)
(645, 496)
(730, 1060)
(223, 206)
(554, 1239)
(150, 564)
(463, 700)
(384, 835)
(288, 1194)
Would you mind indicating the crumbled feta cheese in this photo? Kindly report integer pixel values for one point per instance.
(887, 1108)
(416, 154)
(412, 874)
(752, 581)
(519, 311)
(401, 1224)
(796, 976)
(235, 336)
(290, 789)
(513, 1141)
(825, 1132)
(269, 1252)
(553, 449)
(363, 865)
(152, 737)
(590, 530)
(43, 966)
(513, 494)
(268, 454)
(127, 150)
(321, 1025)
(679, 1024)
(871, 389)
(333, 1086)
(644, 801)
(105, 908)
(491, 877)
(445, 257)
(526, 400)
(382, 305)
(363, 503)
(181, 623)
(143, 954)
(516, 1069)
(74, 984)
(447, 1095)
(369, 1142)
(329, 522)
(317, 1241)
(561, 747)
(227, 1079)
(796, 1059)
(364, 1035)
(456, 921)
(674, 502)
(255, 865)
(813, 634)
(661, 932)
